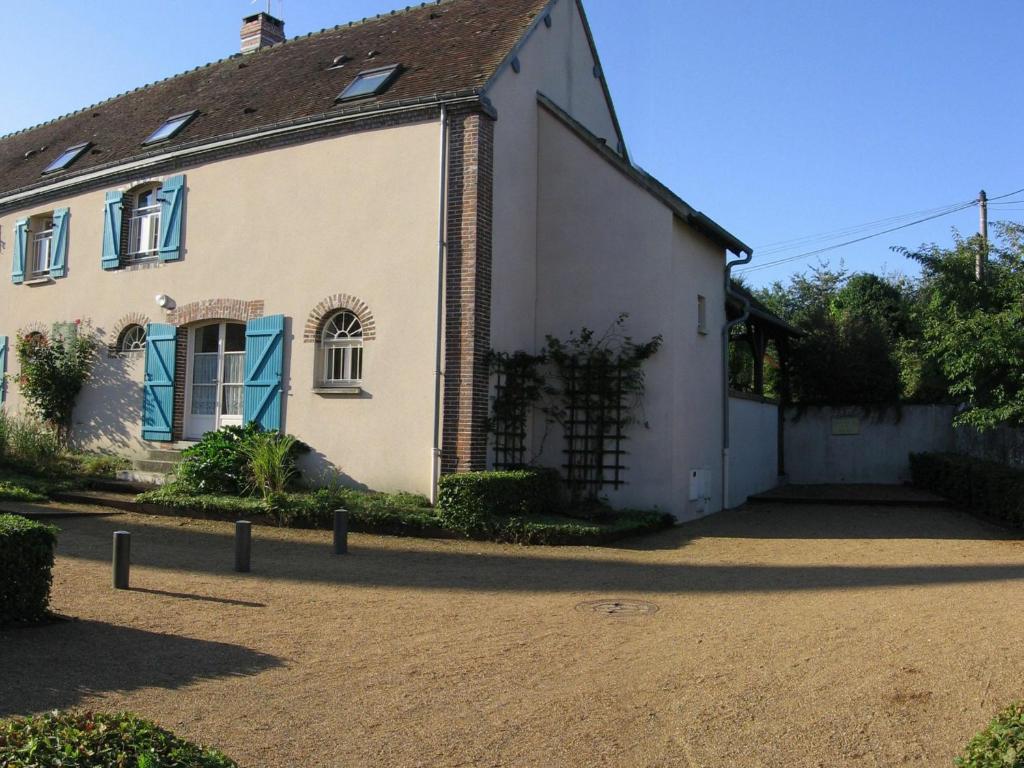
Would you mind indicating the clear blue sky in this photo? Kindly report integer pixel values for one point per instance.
(780, 120)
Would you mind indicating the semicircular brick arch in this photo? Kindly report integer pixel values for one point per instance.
(215, 309)
(315, 321)
(132, 318)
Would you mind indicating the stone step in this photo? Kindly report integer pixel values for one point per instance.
(138, 480)
(164, 455)
(151, 465)
(108, 499)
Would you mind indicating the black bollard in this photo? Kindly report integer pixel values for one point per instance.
(243, 545)
(340, 531)
(122, 558)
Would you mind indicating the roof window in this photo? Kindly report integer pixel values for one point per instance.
(369, 82)
(67, 157)
(170, 128)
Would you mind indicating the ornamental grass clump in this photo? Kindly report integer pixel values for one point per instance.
(270, 462)
(87, 740)
(27, 444)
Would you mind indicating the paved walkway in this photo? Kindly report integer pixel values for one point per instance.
(782, 636)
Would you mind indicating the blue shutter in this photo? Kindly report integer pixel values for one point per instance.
(112, 208)
(3, 367)
(158, 389)
(59, 259)
(264, 362)
(20, 247)
(172, 201)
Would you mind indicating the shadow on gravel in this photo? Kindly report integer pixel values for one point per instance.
(56, 665)
(491, 569)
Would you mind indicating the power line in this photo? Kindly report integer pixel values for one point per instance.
(827, 248)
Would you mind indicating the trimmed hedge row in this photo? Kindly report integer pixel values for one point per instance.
(26, 560)
(986, 487)
(472, 502)
(86, 740)
(1000, 745)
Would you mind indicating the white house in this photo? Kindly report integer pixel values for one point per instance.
(341, 226)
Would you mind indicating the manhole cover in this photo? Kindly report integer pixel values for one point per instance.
(618, 607)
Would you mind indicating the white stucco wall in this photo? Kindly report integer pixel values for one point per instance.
(608, 246)
(753, 448)
(878, 450)
(354, 214)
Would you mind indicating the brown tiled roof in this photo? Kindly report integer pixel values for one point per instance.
(444, 48)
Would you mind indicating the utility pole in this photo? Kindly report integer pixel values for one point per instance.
(982, 257)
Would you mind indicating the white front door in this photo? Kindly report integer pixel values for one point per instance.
(216, 372)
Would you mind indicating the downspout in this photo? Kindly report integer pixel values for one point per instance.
(442, 215)
(726, 335)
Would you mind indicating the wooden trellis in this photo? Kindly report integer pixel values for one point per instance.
(509, 427)
(594, 426)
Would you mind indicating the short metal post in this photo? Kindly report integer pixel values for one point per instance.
(122, 558)
(243, 545)
(340, 531)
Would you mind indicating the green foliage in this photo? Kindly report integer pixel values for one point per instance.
(13, 492)
(471, 502)
(1000, 745)
(523, 384)
(87, 740)
(269, 462)
(26, 559)
(53, 371)
(975, 329)
(27, 445)
(228, 460)
(94, 464)
(986, 487)
(553, 530)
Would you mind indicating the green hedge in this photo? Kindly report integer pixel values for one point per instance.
(26, 559)
(86, 740)
(991, 489)
(474, 501)
(1000, 745)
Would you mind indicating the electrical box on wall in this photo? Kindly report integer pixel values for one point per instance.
(696, 485)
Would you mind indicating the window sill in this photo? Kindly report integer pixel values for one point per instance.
(338, 391)
(39, 280)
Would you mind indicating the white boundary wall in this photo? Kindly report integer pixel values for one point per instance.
(832, 444)
(753, 448)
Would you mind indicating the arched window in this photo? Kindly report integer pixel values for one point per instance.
(144, 224)
(132, 340)
(341, 351)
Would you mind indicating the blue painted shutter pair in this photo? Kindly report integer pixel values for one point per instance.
(158, 388)
(172, 204)
(264, 364)
(20, 248)
(59, 244)
(112, 208)
(3, 367)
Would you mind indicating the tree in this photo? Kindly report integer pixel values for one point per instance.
(974, 330)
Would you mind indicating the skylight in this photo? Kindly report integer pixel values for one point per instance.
(170, 127)
(369, 82)
(67, 157)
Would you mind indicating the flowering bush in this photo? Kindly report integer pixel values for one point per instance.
(53, 371)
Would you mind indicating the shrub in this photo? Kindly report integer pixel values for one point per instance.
(474, 501)
(87, 740)
(10, 491)
(992, 489)
(96, 464)
(270, 462)
(27, 444)
(26, 559)
(1000, 745)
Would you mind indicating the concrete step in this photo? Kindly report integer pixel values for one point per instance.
(137, 480)
(164, 455)
(150, 465)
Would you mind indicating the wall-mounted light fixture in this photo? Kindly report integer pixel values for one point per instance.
(164, 301)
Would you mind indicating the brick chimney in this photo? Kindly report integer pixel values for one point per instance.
(260, 30)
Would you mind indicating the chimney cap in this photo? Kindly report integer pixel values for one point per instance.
(265, 15)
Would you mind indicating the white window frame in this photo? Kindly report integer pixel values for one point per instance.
(344, 339)
(132, 341)
(37, 238)
(144, 222)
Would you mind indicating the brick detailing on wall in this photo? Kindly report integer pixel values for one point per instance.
(330, 305)
(215, 309)
(467, 292)
(180, 366)
(132, 318)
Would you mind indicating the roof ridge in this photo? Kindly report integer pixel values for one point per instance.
(233, 56)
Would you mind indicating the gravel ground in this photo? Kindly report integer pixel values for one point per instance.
(784, 636)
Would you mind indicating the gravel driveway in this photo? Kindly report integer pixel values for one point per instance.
(774, 636)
